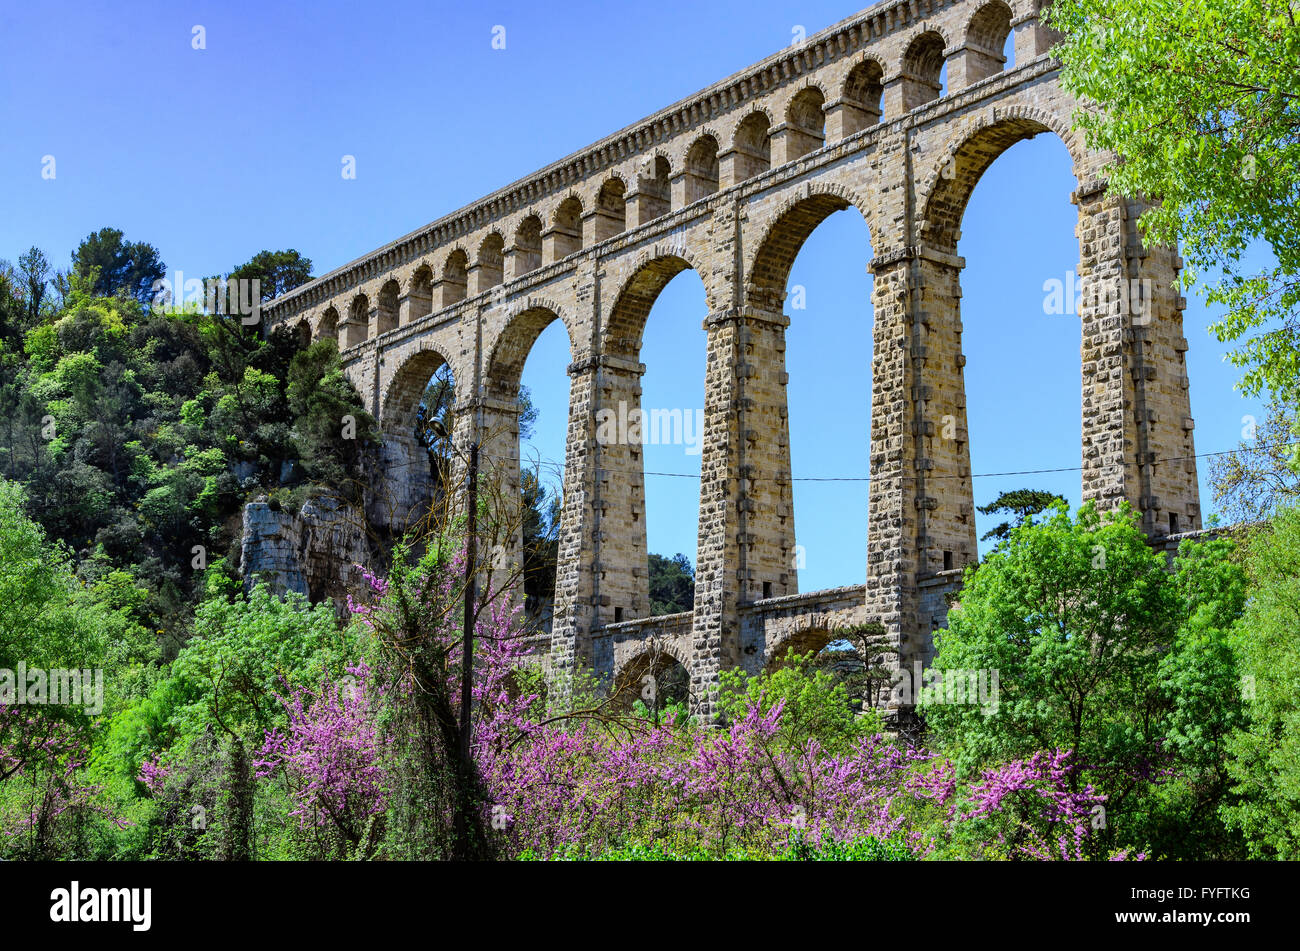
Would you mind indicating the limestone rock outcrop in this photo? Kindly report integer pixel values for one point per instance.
(314, 552)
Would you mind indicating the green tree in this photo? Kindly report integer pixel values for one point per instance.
(330, 426)
(815, 704)
(278, 272)
(1266, 754)
(1262, 475)
(672, 584)
(220, 695)
(1099, 650)
(34, 267)
(52, 620)
(119, 266)
(541, 517)
(856, 657)
(1022, 503)
(1199, 100)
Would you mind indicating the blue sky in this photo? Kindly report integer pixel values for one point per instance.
(215, 154)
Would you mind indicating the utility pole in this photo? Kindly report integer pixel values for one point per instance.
(471, 593)
(464, 848)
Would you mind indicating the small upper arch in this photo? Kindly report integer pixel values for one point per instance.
(609, 208)
(700, 164)
(327, 325)
(921, 68)
(356, 329)
(525, 251)
(862, 94)
(489, 262)
(564, 237)
(419, 292)
(805, 122)
(751, 143)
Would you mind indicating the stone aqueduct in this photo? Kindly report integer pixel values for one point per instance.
(730, 182)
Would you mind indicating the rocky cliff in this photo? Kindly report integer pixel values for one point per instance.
(313, 552)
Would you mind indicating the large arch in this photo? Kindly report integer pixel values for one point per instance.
(413, 478)
(656, 676)
(658, 383)
(632, 304)
(946, 195)
(802, 638)
(960, 165)
(825, 301)
(519, 533)
(328, 328)
(512, 344)
(768, 267)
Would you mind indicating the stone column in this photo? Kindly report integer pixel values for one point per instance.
(520, 261)
(905, 92)
(1137, 424)
(731, 168)
(483, 276)
(574, 613)
(790, 142)
(679, 187)
(746, 532)
(844, 117)
(895, 521)
(644, 205)
(592, 231)
(969, 64)
(621, 584)
(558, 243)
(1032, 37)
(602, 577)
(715, 634)
(765, 533)
(500, 506)
(447, 292)
(945, 501)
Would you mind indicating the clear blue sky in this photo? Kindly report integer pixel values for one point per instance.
(215, 154)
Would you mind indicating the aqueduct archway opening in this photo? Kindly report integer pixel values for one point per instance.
(1022, 367)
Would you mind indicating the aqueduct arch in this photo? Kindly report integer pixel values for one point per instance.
(409, 481)
(654, 674)
(730, 182)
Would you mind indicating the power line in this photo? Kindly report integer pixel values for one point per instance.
(558, 468)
